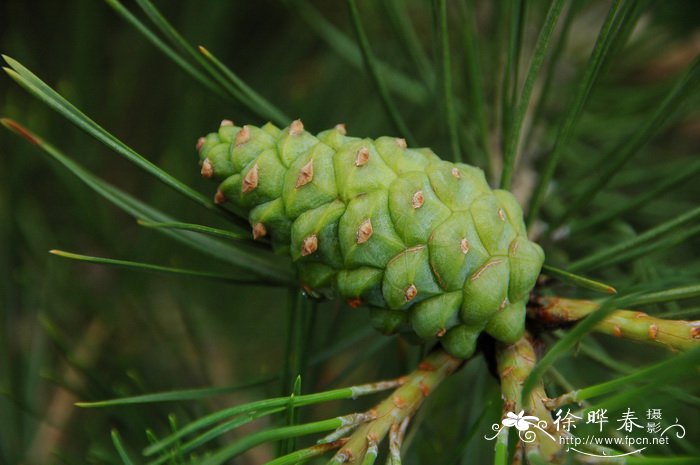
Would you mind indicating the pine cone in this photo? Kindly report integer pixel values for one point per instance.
(425, 243)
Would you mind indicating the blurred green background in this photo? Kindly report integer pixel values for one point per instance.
(78, 332)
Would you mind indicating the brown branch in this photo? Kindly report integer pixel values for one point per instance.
(515, 363)
(399, 406)
(628, 324)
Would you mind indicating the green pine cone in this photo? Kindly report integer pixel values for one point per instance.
(425, 243)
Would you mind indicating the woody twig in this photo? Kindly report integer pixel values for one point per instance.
(394, 412)
(515, 363)
(637, 326)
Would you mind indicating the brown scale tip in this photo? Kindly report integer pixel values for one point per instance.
(259, 230)
(464, 245)
(226, 122)
(501, 214)
(424, 389)
(441, 332)
(309, 246)
(456, 173)
(508, 406)
(410, 292)
(653, 331)
(362, 157)
(341, 128)
(243, 135)
(617, 331)
(296, 128)
(207, 169)
(250, 181)
(346, 455)
(200, 144)
(695, 330)
(355, 302)
(426, 366)
(219, 198)
(399, 401)
(401, 142)
(306, 174)
(418, 199)
(308, 289)
(364, 232)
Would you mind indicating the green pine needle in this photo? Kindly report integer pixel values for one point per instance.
(178, 395)
(43, 92)
(303, 455)
(660, 187)
(397, 13)
(575, 108)
(617, 252)
(237, 87)
(214, 433)
(666, 372)
(377, 78)
(347, 50)
(225, 77)
(257, 406)
(445, 73)
(116, 440)
(580, 281)
(622, 153)
(667, 295)
(228, 452)
(263, 265)
(163, 47)
(513, 137)
(223, 233)
(475, 84)
(138, 266)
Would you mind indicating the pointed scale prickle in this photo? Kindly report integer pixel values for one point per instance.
(426, 244)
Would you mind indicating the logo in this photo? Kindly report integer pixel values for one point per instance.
(629, 433)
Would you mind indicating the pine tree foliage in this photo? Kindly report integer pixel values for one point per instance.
(567, 132)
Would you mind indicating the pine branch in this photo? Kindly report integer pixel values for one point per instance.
(400, 405)
(515, 364)
(627, 324)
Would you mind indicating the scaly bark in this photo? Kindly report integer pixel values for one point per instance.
(399, 406)
(637, 326)
(515, 363)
